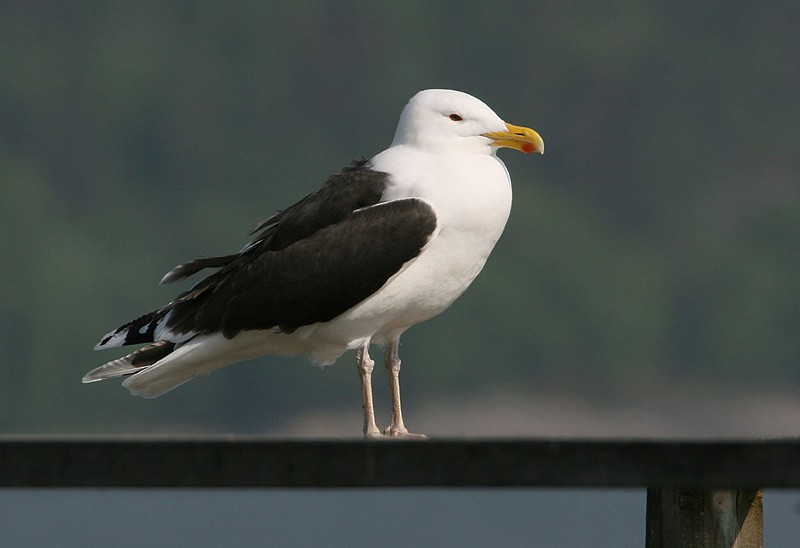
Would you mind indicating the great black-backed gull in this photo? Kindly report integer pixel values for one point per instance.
(385, 244)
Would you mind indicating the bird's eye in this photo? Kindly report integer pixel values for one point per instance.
(455, 117)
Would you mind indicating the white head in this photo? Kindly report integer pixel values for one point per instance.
(443, 119)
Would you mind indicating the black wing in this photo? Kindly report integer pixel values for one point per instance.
(311, 280)
(308, 263)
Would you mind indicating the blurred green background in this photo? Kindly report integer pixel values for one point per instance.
(647, 282)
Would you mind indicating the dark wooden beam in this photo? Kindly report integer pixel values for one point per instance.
(234, 461)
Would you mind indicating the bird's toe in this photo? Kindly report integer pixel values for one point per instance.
(402, 433)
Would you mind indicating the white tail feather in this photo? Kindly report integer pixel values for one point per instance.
(200, 356)
(115, 368)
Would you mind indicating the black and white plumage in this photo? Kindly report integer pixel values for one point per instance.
(385, 244)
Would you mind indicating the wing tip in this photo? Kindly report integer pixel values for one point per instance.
(172, 276)
(89, 378)
(112, 339)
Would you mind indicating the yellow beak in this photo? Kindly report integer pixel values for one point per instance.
(521, 138)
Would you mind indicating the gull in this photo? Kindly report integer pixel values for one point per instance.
(383, 245)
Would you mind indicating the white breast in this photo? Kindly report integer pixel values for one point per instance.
(471, 195)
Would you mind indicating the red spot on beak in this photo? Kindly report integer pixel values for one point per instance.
(527, 148)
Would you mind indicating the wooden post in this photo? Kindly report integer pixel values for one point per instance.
(718, 518)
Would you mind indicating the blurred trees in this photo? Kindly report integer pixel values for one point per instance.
(659, 236)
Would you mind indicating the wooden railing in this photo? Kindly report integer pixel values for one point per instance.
(699, 493)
